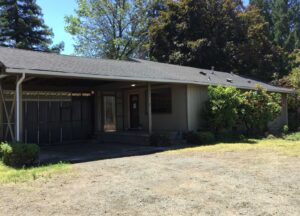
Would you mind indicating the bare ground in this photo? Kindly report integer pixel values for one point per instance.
(197, 182)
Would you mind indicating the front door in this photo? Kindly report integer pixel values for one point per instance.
(134, 111)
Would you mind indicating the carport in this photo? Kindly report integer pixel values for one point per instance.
(45, 105)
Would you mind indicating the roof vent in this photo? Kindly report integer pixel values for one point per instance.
(209, 79)
(213, 69)
(249, 81)
(229, 80)
(231, 73)
(203, 73)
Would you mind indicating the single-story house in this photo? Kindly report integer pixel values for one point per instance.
(50, 98)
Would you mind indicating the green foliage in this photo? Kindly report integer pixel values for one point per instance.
(111, 29)
(293, 136)
(19, 155)
(228, 107)
(222, 107)
(285, 129)
(158, 139)
(228, 137)
(13, 175)
(258, 108)
(199, 138)
(203, 33)
(283, 17)
(293, 81)
(1, 154)
(22, 26)
(271, 136)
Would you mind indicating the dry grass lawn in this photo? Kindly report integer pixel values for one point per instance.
(262, 178)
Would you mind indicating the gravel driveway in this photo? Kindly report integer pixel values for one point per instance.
(227, 182)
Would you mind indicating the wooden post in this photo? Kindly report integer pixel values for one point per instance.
(6, 114)
(149, 109)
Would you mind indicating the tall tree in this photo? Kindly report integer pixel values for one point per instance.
(22, 26)
(283, 17)
(115, 29)
(218, 33)
(265, 7)
(194, 32)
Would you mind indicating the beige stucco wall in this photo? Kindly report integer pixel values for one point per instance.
(175, 121)
(196, 98)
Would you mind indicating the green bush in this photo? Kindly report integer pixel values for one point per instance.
(158, 139)
(293, 136)
(271, 136)
(230, 137)
(199, 138)
(1, 155)
(19, 155)
(229, 108)
(222, 107)
(285, 129)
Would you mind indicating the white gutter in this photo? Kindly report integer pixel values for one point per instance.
(18, 114)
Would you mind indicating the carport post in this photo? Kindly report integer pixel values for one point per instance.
(19, 110)
(149, 109)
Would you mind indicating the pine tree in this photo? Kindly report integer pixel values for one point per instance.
(265, 7)
(283, 17)
(22, 26)
(280, 17)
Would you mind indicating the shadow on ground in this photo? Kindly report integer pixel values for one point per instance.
(84, 152)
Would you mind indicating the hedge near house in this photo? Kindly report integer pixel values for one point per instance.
(19, 155)
(229, 107)
(222, 107)
(258, 108)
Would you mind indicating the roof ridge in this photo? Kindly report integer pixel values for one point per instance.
(64, 55)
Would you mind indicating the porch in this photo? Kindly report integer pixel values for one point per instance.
(55, 111)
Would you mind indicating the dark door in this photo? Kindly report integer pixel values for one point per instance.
(134, 111)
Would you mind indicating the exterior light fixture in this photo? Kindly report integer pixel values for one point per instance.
(133, 85)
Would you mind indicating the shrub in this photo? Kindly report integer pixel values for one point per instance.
(1, 144)
(228, 107)
(158, 139)
(199, 138)
(19, 155)
(285, 129)
(271, 136)
(230, 137)
(190, 137)
(293, 136)
(222, 107)
(206, 137)
(258, 108)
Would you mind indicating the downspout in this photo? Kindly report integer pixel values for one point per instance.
(18, 114)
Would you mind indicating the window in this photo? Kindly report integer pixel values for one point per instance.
(161, 100)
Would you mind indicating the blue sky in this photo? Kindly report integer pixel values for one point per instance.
(54, 12)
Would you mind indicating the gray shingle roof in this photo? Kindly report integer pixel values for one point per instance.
(38, 63)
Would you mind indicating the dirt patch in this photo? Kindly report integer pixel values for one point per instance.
(233, 182)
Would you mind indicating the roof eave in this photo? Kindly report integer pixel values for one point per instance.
(124, 78)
